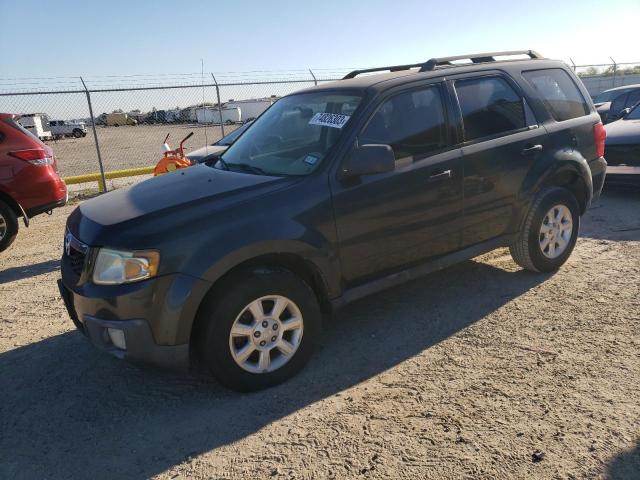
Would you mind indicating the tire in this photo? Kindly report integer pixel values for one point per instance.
(8, 226)
(77, 133)
(228, 308)
(532, 248)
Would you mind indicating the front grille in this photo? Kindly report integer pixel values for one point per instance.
(76, 260)
(623, 155)
(75, 252)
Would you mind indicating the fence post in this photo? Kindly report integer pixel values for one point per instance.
(615, 70)
(219, 104)
(315, 80)
(102, 184)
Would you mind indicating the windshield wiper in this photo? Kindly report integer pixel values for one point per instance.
(247, 168)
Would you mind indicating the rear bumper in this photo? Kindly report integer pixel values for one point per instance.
(39, 189)
(623, 175)
(599, 171)
(93, 320)
(32, 212)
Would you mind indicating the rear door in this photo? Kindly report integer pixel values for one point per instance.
(391, 220)
(501, 142)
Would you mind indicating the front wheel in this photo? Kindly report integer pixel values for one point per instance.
(259, 329)
(549, 233)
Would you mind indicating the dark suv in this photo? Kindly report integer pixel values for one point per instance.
(334, 193)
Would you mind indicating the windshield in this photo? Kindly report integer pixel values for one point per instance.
(229, 139)
(609, 95)
(293, 136)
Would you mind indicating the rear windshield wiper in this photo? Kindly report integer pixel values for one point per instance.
(247, 168)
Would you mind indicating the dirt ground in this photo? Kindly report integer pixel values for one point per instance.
(128, 146)
(478, 371)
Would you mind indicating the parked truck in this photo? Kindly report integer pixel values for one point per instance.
(63, 128)
(250, 109)
(212, 115)
(117, 119)
(37, 124)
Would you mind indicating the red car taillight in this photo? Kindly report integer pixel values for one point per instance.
(35, 156)
(600, 135)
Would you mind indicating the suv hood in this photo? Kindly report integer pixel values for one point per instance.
(173, 198)
(201, 154)
(623, 132)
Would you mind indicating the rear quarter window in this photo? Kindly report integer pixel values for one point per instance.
(559, 93)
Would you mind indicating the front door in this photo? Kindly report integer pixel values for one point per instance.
(389, 221)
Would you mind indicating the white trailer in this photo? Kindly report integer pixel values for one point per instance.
(250, 109)
(38, 124)
(212, 115)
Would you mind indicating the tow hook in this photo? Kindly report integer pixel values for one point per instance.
(49, 212)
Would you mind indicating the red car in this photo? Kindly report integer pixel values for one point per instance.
(29, 181)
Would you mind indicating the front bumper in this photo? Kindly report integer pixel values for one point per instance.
(154, 316)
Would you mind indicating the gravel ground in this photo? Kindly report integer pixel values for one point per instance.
(478, 371)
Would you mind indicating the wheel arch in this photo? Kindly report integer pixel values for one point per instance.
(307, 270)
(8, 199)
(566, 169)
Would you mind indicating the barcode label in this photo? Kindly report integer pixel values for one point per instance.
(333, 120)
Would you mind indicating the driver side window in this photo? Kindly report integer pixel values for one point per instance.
(412, 123)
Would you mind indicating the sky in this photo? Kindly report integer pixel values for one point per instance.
(113, 37)
(51, 43)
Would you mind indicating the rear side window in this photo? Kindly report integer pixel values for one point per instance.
(633, 98)
(412, 123)
(618, 104)
(558, 92)
(490, 106)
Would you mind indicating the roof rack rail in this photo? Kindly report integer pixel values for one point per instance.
(394, 68)
(433, 63)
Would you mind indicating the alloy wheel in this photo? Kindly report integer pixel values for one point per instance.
(3, 227)
(555, 231)
(266, 334)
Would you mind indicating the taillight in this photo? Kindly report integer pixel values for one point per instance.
(35, 156)
(600, 135)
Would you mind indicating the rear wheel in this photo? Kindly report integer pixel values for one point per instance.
(259, 329)
(549, 233)
(8, 226)
(77, 133)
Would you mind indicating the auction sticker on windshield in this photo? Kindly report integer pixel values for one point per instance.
(333, 120)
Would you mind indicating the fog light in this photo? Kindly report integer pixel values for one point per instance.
(117, 338)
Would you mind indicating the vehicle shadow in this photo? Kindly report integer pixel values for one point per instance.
(26, 271)
(614, 216)
(67, 410)
(625, 466)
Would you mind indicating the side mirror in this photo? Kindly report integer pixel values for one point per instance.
(368, 160)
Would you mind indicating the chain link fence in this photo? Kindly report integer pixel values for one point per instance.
(133, 114)
(131, 122)
(601, 77)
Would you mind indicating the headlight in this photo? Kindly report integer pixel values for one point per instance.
(114, 267)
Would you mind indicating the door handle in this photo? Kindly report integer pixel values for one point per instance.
(529, 149)
(440, 176)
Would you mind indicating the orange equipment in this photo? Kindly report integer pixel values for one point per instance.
(172, 159)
